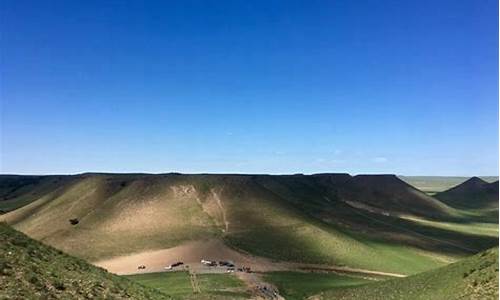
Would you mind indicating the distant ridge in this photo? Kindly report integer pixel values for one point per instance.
(390, 193)
(473, 193)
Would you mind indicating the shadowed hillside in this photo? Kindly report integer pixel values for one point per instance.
(385, 193)
(324, 219)
(17, 191)
(31, 270)
(474, 193)
(472, 278)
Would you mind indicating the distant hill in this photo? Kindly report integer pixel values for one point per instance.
(474, 193)
(32, 270)
(475, 277)
(388, 192)
(324, 218)
(436, 184)
(19, 190)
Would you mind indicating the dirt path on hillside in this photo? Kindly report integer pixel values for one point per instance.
(223, 211)
(192, 253)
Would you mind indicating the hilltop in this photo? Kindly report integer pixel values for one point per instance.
(32, 270)
(474, 193)
(333, 219)
(475, 277)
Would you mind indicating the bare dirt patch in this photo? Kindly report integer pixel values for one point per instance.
(192, 253)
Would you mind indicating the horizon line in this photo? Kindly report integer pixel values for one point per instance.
(229, 173)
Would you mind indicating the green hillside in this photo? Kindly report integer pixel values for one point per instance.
(475, 277)
(32, 270)
(325, 218)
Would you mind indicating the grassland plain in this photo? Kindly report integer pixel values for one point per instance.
(295, 218)
(178, 286)
(173, 284)
(474, 278)
(32, 270)
(300, 285)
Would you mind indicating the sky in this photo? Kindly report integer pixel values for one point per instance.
(403, 87)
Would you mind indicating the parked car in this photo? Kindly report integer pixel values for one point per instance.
(209, 263)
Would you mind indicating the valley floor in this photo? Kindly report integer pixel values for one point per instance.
(192, 253)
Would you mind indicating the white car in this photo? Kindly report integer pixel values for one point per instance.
(208, 262)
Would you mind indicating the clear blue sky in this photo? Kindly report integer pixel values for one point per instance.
(405, 87)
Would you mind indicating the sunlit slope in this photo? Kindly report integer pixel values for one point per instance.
(475, 277)
(116, 214)
(296, 218)
(31, 270)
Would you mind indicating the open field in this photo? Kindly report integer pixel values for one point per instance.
(300, 285)
(178, 285)
(174, 284)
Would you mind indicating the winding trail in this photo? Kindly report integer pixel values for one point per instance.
(223, 211)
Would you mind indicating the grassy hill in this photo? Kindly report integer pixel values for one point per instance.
(31, 270)
(475, 277)
(437, 184)
(474, 193)
(17, 191)
(325, 218)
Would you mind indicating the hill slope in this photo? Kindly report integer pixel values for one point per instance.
(19, 190)
(31, 270)
(475, 277)
(325, 218)
(436, 184)
(474, 193)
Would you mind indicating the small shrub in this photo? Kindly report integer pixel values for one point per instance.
(59, 285)
(34, 280)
